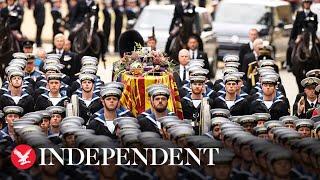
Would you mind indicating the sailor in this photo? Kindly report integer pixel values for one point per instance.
(57, 114)
(218, 84)
(241, 86)
(191, 104)
(269, 102)
(89, 102)
(122, 111)
(223, 165)
(16, 96)
(270, 125)
(159, 95)
(103, 124)
(248, 122)
(236, 104)
(215, 127)
(304, 127)
(289, 121)
(30, 69)
(27, 82)
(262, 118)
(267, 70)
(11, 113)
(53, 97)
(68, 127)
(279, 161)
(89, 66)
(261, 132)
(242, 149)
(45, 122)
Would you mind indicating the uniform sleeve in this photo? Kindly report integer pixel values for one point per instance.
(2, 103)
(91, 124)
(142, 123)
(218, 104)
(30, 104)
(36, 105)
(211, 103)
(257, 107)
(67, 80)
(282, 90)
(187, 112)
(40, 104)
(281, 109)
(217, 86)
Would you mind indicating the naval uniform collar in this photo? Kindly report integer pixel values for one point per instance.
(101, 118)
(277, 98)
(209, 134)
(5, 132)
(23, 94)
(222, 91)
(119, 112)
(209, 91)
(242, 93)
(151, 115)
(51, 134)
(50, 96)
(188, 98)
(238, 98)
(106, 123)
(222, 84)
(147, 112)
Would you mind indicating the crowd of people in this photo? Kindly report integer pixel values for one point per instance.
(251, 125)
(246, 114)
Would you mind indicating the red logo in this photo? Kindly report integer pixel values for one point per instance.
(23, 156)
